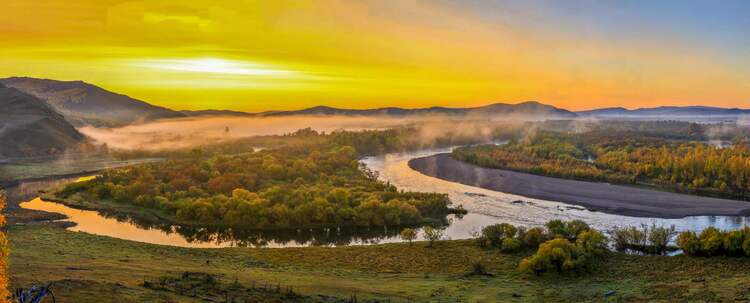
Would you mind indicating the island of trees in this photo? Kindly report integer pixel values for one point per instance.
(316, 182)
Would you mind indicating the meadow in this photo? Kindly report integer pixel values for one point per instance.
(89, 268)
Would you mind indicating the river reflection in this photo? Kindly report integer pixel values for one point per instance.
(485, 207)
(143, 231)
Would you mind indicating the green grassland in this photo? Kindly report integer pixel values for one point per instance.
(90, 268)
(21, 170)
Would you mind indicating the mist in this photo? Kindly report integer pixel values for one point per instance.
(183, 133)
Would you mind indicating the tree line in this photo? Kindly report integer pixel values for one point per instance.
(624, 158)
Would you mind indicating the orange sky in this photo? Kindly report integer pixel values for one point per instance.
(264, 55)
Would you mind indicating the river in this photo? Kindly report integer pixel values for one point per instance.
(485, 207)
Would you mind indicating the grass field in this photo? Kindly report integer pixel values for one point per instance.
(20, 170)
(89, 268)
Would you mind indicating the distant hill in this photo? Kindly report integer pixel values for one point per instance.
(526, 109)
(82, 103)
(666, 111)
(30, 127)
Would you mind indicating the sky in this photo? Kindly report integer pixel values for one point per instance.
(274, 55)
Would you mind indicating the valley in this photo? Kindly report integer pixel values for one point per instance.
(321, 215)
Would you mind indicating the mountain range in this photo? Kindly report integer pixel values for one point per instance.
(82, 103)
(665, 111)
(524, 109)
(40, 116)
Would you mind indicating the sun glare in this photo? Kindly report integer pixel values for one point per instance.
(215, 65)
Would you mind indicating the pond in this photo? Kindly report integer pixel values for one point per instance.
(485, 207)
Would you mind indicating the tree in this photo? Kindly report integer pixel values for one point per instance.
(408, 234)
(432, 235)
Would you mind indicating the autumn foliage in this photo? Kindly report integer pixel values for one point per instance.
(4, 251)
(691, 167)
(310, 185)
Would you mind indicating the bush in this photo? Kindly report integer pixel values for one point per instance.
(557, 229)
(711, 240)
(510, 245)
(496, 233)
(493, 235)
(629, 237)
(568, 230)
(533, 237)
(558, 254)
(575, 228)
(689, 243)
(659, 237)
(592, 242)
(733, 241)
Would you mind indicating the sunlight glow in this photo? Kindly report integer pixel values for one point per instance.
(214, 65)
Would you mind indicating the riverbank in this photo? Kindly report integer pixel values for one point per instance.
(604, 197)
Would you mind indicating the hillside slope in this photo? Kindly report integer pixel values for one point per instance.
(82, 103)
(30, 127)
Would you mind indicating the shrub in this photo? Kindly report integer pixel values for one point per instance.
(621, 239)
(533, 237)
(558, 254)
(510, 245)
(733, 242)
(659, 237)
(575, 228)
(711, 240)
(629, 237)
(493, 235)
(689, 243)
(568, 230)
(592, 242)
(557, 229)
